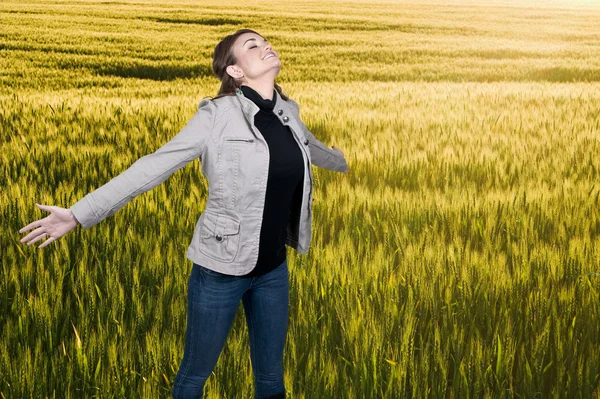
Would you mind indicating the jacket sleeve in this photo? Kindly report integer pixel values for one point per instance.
(150, 170)
(321, 155)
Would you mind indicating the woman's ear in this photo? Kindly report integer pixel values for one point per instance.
(234, 72)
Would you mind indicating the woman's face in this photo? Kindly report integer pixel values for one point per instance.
(255, 58)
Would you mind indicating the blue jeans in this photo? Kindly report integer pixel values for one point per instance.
(213, 300)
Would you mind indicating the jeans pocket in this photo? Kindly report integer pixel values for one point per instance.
(205, 270)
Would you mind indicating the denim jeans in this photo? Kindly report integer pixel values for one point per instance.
(213, 300)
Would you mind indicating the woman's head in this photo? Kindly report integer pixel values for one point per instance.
(238, 59)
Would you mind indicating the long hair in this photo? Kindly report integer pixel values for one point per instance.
(223, 57)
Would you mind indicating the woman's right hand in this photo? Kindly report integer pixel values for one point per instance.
(57, 224)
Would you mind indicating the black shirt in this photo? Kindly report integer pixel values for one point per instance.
(284, 183)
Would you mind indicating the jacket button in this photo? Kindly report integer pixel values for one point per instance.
(306, 142)
(280, 112)
(285, 119)
(219, 238)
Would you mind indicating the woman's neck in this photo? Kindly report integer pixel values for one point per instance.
(264, 88)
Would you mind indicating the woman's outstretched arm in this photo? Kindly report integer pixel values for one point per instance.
(143, 175)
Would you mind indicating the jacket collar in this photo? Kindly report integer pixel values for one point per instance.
(257, 98)
(249, 108)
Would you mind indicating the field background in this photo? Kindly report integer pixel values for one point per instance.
(459, 258)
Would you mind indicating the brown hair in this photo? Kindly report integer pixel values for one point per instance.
(223, 57)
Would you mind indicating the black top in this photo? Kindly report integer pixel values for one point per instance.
(284, 183)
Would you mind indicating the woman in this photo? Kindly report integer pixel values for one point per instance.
(256, 154)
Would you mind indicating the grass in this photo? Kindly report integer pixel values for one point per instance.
(458, 259)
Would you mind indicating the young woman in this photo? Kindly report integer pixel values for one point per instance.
(256, 154)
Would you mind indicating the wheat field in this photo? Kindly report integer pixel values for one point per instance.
(460, 257)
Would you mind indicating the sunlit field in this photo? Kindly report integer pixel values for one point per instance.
(460, 257)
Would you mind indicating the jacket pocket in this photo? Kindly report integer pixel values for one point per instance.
(219, 236)
(238, 140)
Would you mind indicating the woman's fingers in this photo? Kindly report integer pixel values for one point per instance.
(56, 224)
(48, 241)
(47, 208)
(38, 222)
(33, 234)
(31, 225)
(37, 238)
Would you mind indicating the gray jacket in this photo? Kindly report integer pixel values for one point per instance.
(235, 160)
